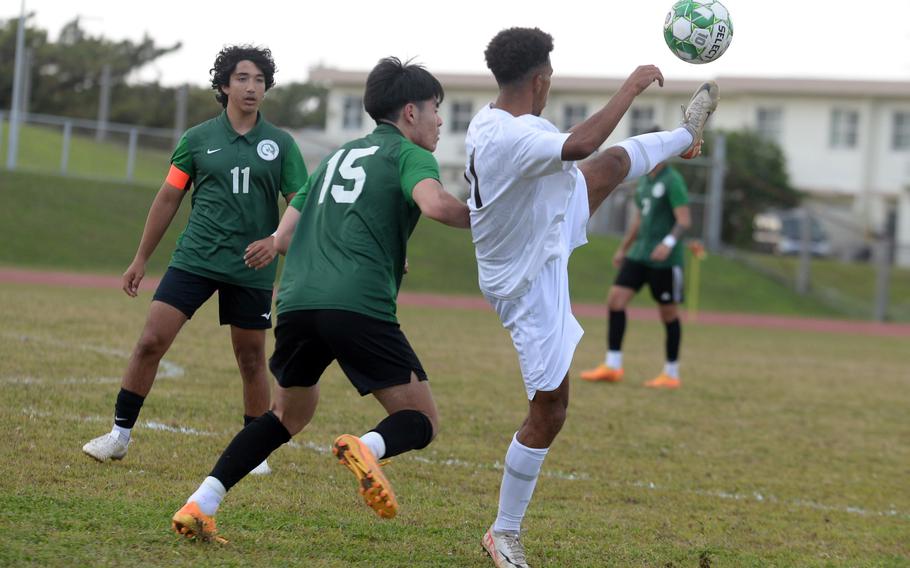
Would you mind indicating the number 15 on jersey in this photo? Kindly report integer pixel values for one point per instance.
(348, 172)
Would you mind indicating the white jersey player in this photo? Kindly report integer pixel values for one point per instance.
(530, 203)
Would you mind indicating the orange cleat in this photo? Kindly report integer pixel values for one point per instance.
(375, 488)
(663, 381)
(603, 373)
(192, 523)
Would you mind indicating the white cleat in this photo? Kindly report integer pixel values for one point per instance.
(695, 116)
(262, 469)
(106, 447)
(505, 549)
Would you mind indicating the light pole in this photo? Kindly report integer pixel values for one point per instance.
(12, 149)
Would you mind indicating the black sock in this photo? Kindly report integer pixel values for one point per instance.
(249, 448)
(127, 407)
(405, 430)
(616, 330)
(247, 419)
(674, 337)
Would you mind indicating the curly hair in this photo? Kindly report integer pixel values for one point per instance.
(393, 84)
(513, 53)
(228, 58)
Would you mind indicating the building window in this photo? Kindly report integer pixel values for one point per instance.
(901, 137)
(768, 123)
(572, 114)
(641, 120)
(352, 113)
(462, 113)
(844, 128)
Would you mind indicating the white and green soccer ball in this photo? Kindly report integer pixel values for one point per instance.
(698, 31)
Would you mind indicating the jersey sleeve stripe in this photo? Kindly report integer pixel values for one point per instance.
(178, 178)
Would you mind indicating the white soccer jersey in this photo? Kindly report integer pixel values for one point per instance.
(520, 192)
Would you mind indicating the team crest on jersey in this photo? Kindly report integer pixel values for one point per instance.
(267, 150)
(658, 190)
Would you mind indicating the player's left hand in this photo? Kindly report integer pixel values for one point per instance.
(261, 253)
(660, 252)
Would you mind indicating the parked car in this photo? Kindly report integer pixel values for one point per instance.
(780, 232)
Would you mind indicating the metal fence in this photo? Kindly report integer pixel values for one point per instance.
(88, 148)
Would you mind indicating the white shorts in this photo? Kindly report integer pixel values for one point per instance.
(543, 329)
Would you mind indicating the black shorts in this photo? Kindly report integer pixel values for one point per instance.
(373, 353)
(666, 283)
(246, 308)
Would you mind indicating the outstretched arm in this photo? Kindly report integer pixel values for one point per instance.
(588, 136)
(439, 205)
(161, 213)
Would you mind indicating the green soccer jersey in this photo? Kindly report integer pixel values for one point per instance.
(237, 179)
(356, 214)
(656, 198)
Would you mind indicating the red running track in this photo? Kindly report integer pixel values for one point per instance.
(77, 280)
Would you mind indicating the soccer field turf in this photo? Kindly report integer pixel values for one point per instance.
(781, 449)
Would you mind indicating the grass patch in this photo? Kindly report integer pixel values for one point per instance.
(40, 151)
(782, 449)
(61, 223)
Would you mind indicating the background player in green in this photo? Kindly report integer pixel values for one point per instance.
(238, 165)
(338, 294)
(650, 252)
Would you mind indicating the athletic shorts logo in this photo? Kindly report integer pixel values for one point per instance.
(267, 150)
(658, 190)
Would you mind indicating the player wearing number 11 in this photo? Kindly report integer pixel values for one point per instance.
(338, 294)
(237, 164)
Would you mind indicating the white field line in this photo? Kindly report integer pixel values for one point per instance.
(754, 497)
(166, 369)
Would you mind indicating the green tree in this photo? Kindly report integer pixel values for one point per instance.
(756, 179)
(297, 105)
(66, 75)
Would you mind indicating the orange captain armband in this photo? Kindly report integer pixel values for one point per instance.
(178, 178)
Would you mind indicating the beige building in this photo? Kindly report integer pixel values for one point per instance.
(847, 143)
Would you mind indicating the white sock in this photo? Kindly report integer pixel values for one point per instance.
(375, 442)
(672, 369)
(647, 150)
(123, 434)
(209, 495)
(614, 359)
(519, 477)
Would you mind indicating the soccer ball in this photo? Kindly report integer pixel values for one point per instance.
(698, 31)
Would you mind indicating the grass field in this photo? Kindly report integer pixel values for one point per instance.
(60, 223)
(782, 449)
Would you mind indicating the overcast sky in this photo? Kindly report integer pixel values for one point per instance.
(789, 38)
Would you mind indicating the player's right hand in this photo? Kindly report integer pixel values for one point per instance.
(618, 258)
(642, 77)
(132, 277)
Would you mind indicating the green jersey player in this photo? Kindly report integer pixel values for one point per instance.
(345, 235)
(237, 165)
(651, 252)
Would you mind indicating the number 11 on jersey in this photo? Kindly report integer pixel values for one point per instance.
(235, 177)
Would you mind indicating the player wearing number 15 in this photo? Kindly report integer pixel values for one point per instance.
(339, 289)
(237, 164)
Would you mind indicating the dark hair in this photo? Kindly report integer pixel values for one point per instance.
(513, 53)
(227, 60)
(393, 84)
